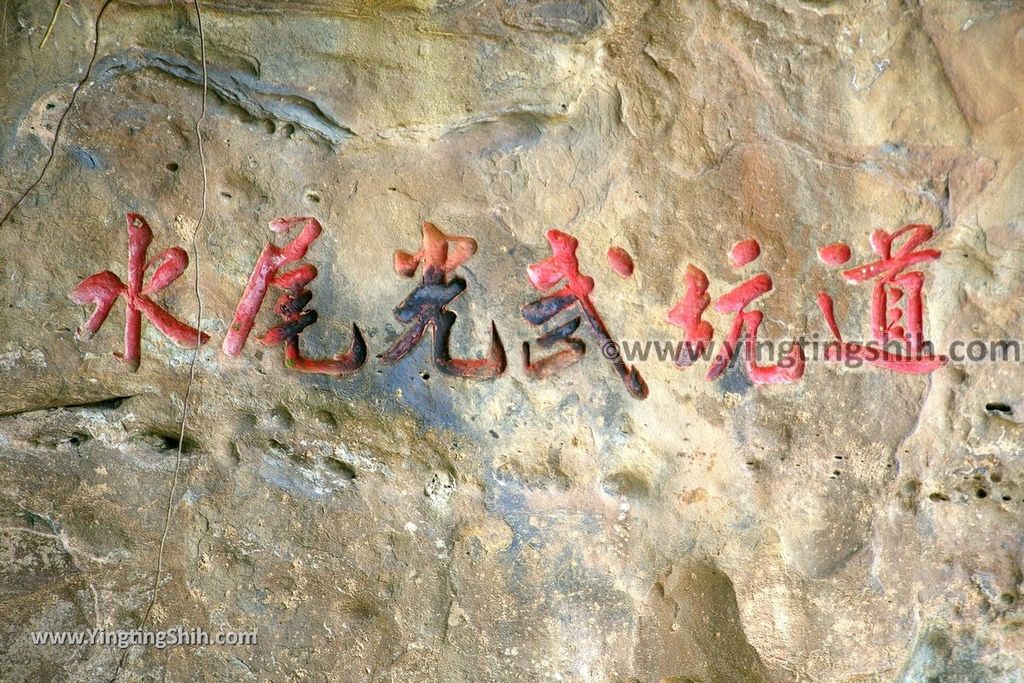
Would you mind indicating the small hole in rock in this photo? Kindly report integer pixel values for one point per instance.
(981, 493)
(938, 497)
(324, 417)
(170, 443)
(172, 167)
(313, 197)
(1001, 408)
(342, 469)
(78, 438)
(50, 105)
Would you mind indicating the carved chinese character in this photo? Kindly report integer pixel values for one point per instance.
(104, 289)
(291, 306)
(688, 311)
(563, 266)
(897, 303)
(426, 306)
(687, 315)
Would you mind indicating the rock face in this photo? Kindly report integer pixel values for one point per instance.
(404, 524)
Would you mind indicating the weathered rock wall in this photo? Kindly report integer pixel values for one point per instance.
(402, 524)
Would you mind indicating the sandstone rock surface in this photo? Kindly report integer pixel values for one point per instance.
(400, 524)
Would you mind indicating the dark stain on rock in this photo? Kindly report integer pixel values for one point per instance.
(574, 19)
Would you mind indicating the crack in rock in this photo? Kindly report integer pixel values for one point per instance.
(259, 98)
